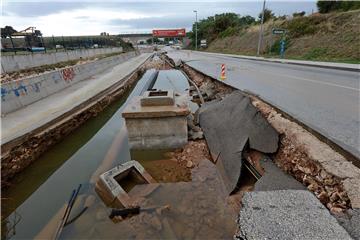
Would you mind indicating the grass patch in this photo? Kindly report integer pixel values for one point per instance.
(316, 53)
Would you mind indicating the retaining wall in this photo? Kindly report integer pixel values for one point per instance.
(17, 94)
(19, 62)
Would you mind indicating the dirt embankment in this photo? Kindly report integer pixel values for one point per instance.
(325, 37)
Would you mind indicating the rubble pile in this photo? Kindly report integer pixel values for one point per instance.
(192, 153)
(158, 63)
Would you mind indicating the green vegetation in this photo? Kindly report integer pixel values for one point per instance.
(316, 53)
(330, 6)
(332, 36)
(268, 14)
(221, 25)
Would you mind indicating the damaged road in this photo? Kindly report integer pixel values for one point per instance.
(229, 126)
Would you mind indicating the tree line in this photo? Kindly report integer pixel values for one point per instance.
(228, 24)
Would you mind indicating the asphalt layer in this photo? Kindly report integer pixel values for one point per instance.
(287, 214)
(229, 126)
(275, 179)
(326, 100)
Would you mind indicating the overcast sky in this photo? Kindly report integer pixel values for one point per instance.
(92, 17)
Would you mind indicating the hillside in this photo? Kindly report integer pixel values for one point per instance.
(324, 37)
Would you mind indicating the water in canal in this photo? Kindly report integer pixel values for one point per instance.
(93, 149)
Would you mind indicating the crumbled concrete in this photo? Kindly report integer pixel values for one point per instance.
(287, 214)
(275, 179)
(229, 125)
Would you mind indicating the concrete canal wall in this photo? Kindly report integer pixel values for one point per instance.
(19, 62)
(20, 93)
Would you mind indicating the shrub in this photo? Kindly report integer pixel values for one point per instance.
(316, 53)
(230, 31)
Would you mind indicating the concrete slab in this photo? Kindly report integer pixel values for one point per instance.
(275, 179)
(287, 214)
(29, 118)
(229, 125)
(135, 110)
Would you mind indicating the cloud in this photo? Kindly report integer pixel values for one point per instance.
(91, 18)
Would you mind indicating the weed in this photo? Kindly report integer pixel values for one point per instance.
(316, 53)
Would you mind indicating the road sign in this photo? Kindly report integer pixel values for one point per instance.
(169, 33)
(278, 31)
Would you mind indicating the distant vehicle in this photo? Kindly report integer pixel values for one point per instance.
(203, 43)
(178, 47)
(171, 42)
(95, 46)
(58, 46)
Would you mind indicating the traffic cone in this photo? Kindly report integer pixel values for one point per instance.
(223, 74)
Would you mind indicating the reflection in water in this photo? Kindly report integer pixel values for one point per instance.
(198, 210)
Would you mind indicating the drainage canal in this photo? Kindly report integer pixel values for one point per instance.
(98, 146)
(37, 196)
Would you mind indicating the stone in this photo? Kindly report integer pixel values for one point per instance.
(189, 164)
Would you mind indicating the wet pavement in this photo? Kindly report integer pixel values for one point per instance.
(327, 100)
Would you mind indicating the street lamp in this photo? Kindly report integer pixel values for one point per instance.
(261, 30)
(196, 30)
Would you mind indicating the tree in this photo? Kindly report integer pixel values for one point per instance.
(7, 31)
(225, 24)
(268, 14)
(299, 14)
(329, 6)
(246, 20)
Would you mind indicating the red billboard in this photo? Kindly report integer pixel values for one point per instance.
(169, 33)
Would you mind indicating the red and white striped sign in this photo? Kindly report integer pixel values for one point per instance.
(223, 73)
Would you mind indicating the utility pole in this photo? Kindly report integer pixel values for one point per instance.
(261, 30)
(196, 30)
